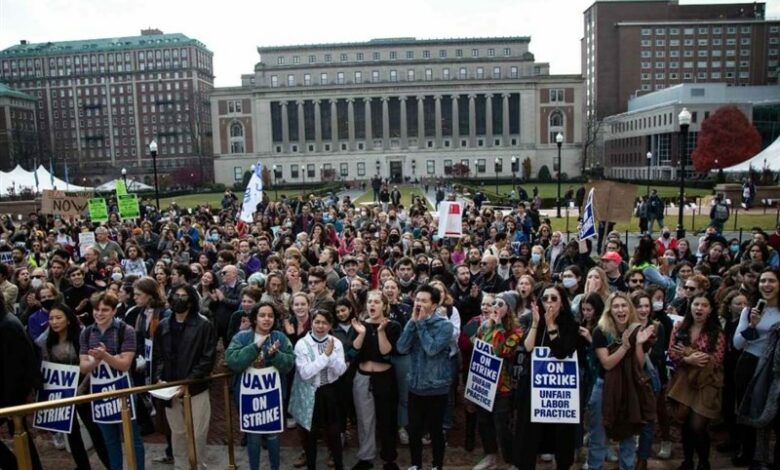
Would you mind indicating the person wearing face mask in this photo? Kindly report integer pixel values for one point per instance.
(184, 348)
(539, 267)
(666, 241)
(37, 321)
(404, 270)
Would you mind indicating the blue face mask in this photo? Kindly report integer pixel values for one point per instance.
(734, 248)
(536, 258)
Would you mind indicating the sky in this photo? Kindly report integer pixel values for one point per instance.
(233, 29)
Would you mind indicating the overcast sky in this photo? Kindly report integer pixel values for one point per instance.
(233, 29)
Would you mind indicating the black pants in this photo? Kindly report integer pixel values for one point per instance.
(426, 413)
(384, 390)
(494, 427)
(746, 366)
(327, 418)
(77, 450)
(7, 457)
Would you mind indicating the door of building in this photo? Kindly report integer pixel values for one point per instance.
(396, 172)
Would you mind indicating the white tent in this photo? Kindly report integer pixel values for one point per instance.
(20, 179)
(767, 158)
(132, 185)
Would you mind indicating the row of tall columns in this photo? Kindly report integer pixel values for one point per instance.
(369, 137)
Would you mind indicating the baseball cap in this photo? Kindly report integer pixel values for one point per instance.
(612, 256)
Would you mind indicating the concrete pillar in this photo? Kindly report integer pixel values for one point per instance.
(369, 135)
(472, 121)
(301, 130)
(489, 119)
(385, 123)
(317, 126)
(505, 119)
(351, 122)
(404, 133)
(285, 126)
(420, 122)
(334, 125)
(437, 126)
(455, 122)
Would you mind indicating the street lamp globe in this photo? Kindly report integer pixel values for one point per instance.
(124, 171)
(153, 146)
(649, 156)
(559, 138)
(684, 118)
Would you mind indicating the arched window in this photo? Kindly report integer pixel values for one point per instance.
(556, 119)
(555, 125)
(236, 138)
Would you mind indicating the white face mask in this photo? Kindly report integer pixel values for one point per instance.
(569, 282)
(116, 276)
(658, 306)
(36, 283)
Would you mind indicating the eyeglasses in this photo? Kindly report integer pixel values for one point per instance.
(636, 281)
(550, 298)
(690, 288)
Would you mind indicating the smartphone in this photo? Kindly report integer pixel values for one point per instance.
(760, 306)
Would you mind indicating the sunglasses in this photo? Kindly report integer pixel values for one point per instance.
(550, 298)
(690, 288)
(636, 281)
(499, 303)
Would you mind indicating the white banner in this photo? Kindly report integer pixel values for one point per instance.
(450, 219)
(253, 195)
(555, 388)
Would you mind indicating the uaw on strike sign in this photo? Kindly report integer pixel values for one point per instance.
(555, 388)
(260, 401)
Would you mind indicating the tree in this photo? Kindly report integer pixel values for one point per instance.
(593, 142)
(527, 168)
(726, 136)
(459, 169)
(544, 174)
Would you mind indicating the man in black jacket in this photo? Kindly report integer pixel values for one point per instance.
(467, 295)
(185, 348)
(226, 300)
(489, 281)
(19, 375)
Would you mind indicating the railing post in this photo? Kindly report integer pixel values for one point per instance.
(127, 432)
(21, 444)
(229, 418)
(189, 425)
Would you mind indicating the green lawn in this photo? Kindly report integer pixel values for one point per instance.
(192, 200)
(700, 222)
(406, 196)
(550, 190)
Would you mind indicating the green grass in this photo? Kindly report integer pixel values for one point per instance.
(550, 190)
(406, 196)
(700, 222)
(193, 200)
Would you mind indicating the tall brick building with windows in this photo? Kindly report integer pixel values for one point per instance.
(100, 102)
(633, 47)
(18, 133)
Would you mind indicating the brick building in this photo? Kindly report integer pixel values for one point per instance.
(100, 102)
(18, 133)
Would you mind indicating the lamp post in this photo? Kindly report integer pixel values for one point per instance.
(684, 119)
(124, 176)
(153, 151)
(495, 168)
(414, 167)
(559, 142)
(649, 160)
(378, 166)
(476, 168)
(276, 191)
(720, 171)
(514, 170)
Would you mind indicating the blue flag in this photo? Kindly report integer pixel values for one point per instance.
(588, 228)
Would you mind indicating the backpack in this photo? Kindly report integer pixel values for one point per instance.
(721, 212)
(120, 338)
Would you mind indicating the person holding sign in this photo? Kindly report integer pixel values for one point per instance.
(319, 362)
(60, 344)
(258, 347)
(374, 386)
(503, 334)
(426, 338)
(557, 330)
(618, 335)
(110, 342)
(184, 347)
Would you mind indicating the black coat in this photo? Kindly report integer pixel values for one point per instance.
(19, 371)
(195, 356)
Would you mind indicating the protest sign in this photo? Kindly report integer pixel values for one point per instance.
(105, 379)
(128, 206)
(484, 371)
(148, 345)
(260, 401)
(121, 189)
(59, 381)
(64, 204)
(450, 219)
(613, 202)
(555, 388)
(98, 210)
(86, 239)
(6, 257)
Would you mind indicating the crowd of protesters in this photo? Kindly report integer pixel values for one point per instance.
(369, 311)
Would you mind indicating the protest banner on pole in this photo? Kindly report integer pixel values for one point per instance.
(484, 371)
(64, 204)
(59, 381)
(450, 219)
(128, 206)
(98, 210)
(555, 388)
(86, 239)
(148, 345)
(260, 401)
(105, 379)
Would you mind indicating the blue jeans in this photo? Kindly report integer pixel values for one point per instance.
(112, 435)
(254, 448)
(401, 364)
(597, 450)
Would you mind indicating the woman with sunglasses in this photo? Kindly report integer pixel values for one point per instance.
(501, 331)
(552, 325)
(612, 341)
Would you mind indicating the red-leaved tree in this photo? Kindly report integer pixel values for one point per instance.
(726, 136)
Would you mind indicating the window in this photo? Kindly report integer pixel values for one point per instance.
(513, 71)
(344, 169)
(361, 168)
(296, 59)
(674, 31)
(393, 75)
(674, 42)
(340, 78)
(447, 167)
(556, 119)
(674, 53)
(410, 54)
(660, 42)
(294, 171)
(376, 56)
(499, 165)
(280, 60)
(310, 170)
(701, 53)
(660, 54)
(343, 57)
(481, 165)
(660, 76)
(445, 73)
(375, 76)
(442, 53)
(393, 55)
(647, 31)
(659, 65)
(428, 74)
(475, 53)
(462, 73)
(426, 54)
(744, 41)
(507, 51)
(430, 167)
(290, 80)
(480, 72)
(491, 52)
(328, 58)
(646, 43)
(496, 72)
(236, 138)
(307, 79)
(274, 82)
(646, 54)
(238, 173)
(556, 95)
(358, 77)
(359, 56)
(312, 59)
(410, 75)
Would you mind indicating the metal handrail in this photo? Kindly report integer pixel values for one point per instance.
(22, 450)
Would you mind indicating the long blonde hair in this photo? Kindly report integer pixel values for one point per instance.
(607, 323)
(604, 291)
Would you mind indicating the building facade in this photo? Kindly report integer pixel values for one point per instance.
(634, 47)
(402, 108)
(101, 102)
(18, 132)
(650, 126)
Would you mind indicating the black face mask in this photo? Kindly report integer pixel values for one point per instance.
(666, 235)
(47, 304)
(503, 261)
(179, 305)
(393, 238)
(437, 270)
(422, 268)
(418, 251)
(372, 260)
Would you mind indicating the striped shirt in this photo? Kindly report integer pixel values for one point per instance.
(91, 337)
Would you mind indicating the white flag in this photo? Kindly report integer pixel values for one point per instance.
(253, 195)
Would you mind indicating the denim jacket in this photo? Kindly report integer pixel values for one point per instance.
(428, 344)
